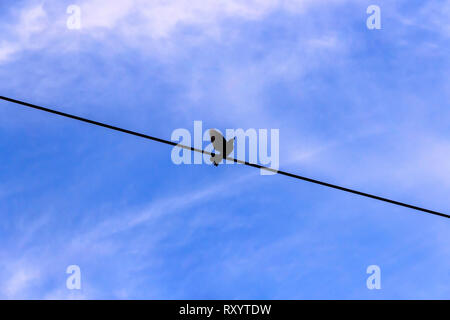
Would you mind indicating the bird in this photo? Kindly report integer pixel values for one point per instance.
(220, 145)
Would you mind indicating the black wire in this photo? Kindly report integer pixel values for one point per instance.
(26, 104)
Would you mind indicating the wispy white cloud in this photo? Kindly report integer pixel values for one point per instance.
(32, 21)
(136, 22)
(41, 263)
(21, 277)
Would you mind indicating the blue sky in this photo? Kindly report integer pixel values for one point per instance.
(367, 109)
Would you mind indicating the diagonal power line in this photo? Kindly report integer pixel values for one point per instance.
(329, 185)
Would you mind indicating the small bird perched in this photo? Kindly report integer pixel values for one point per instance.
(221, 145)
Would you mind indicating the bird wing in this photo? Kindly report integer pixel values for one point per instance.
(229, 147)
